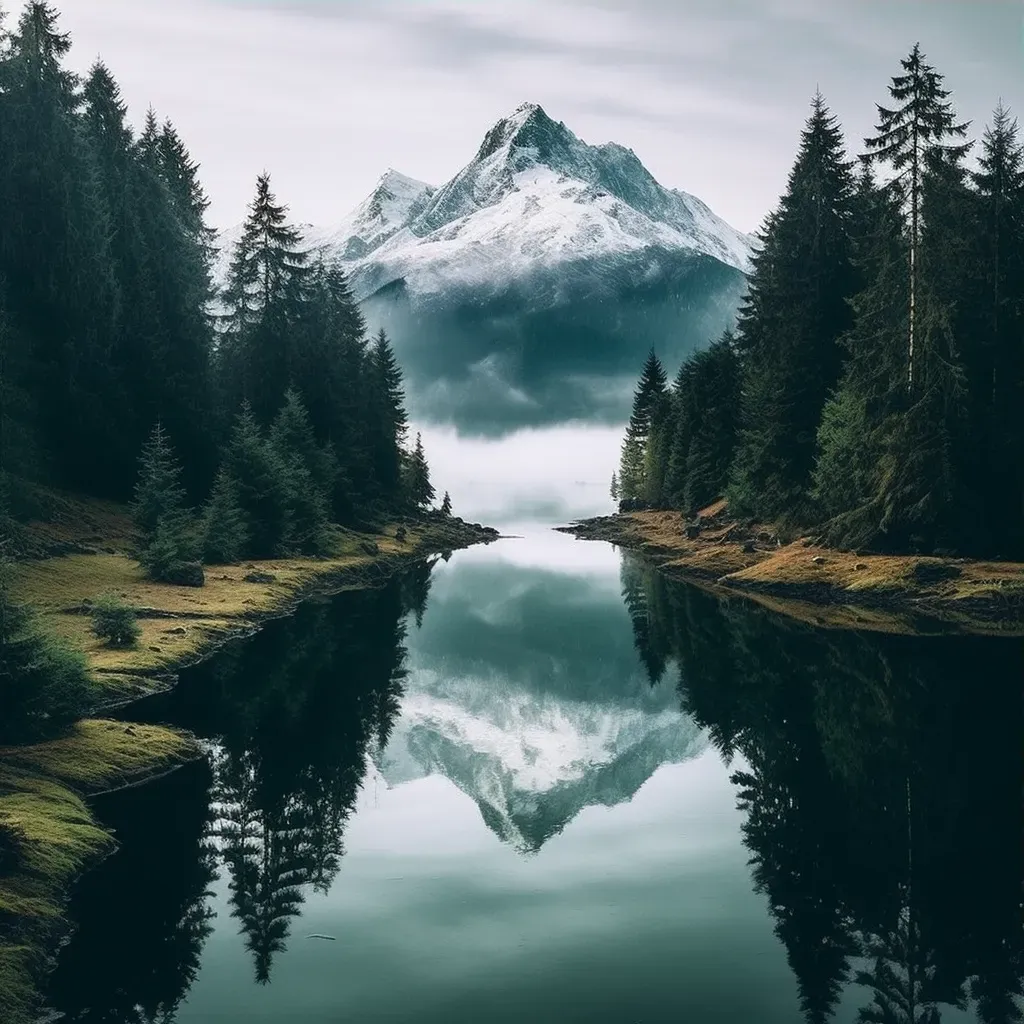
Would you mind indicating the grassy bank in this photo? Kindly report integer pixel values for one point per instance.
(78, 554)
(837, 589)
(49, 836)
(183, 625)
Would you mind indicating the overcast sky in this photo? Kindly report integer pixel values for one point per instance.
(711, 94)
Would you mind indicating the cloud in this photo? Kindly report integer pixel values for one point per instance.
(711, 94)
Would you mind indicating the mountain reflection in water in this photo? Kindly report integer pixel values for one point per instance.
(685, 808)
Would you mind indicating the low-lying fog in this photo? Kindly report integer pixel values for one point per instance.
(547, 475)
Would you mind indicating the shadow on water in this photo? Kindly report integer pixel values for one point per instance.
(879, 780)
(882, 786)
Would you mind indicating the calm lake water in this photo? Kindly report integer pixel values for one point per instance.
(538, 783)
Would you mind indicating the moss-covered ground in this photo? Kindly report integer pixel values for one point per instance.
(830, 588)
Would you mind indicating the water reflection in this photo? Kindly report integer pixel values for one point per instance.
(496, 736)
(143, 916)
(882, 794)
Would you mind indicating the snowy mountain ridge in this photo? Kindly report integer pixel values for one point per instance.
(534, 198)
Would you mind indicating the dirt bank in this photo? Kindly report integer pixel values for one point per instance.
(802, 579)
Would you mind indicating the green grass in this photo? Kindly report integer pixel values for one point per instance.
(41, 800)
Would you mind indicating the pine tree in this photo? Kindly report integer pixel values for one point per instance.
(614, 491)
(418, 487)
(713, 436)
(795, 312)
(857, 436)
(705, 395)
(905, 370)
(170, 551)
(225, 531)
(159, 495)
(922, 123)
(262, 492)
(54, 252)
(149, 139)
(308, 477)
(388, 421)
(647, 398)
(996, 264)
(292, 435)
(446, 505)
(264, 296)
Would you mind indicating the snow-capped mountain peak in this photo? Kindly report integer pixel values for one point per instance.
(534, 198)
(394, 201)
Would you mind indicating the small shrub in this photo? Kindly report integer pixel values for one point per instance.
(44, 685)
(114, 621)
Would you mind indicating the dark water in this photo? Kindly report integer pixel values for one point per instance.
(538, 783)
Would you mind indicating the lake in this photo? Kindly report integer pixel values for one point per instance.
(537, 782)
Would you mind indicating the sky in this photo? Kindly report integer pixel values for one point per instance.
(326, 95)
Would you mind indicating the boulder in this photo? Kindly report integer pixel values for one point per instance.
(185, 574)
(260, 577)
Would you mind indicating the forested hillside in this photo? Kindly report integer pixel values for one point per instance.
(277, 412)
(873, 387)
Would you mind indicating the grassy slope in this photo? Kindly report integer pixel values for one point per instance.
(181, 625)
(81, 552)
(41, 798)
(890, 593)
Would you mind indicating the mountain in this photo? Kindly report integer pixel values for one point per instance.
(528, 288)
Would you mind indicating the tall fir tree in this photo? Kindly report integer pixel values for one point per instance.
(264, 294)
(921, 123)
(905, 372)
(388, 420)
(54, 250)
(418, 487)
(646, 400)
(790, 325)
(996, 297)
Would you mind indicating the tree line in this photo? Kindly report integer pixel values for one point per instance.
(873, 385)
(279, 409)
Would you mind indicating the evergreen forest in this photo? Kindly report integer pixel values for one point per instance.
(873, 385)
(241, 422)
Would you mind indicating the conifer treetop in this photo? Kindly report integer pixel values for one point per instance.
(922, 120)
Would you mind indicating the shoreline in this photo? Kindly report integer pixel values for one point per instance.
(824, 587)
(45, 788)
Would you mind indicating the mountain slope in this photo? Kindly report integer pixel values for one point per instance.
(528, 287)
(533, 196)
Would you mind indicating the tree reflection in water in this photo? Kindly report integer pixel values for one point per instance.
(881, 782)
(879, 779)
(292, 713)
